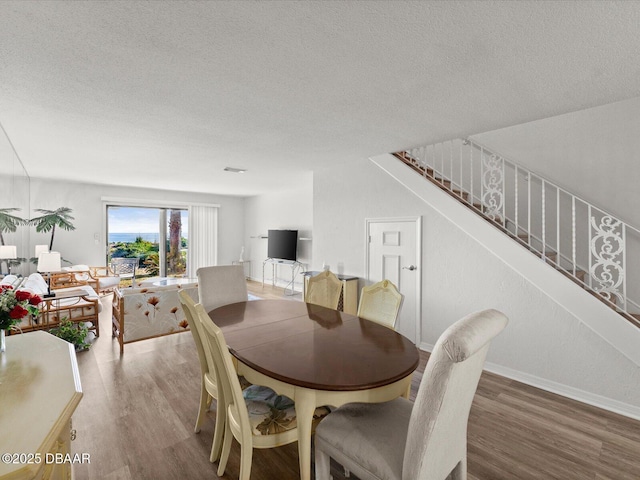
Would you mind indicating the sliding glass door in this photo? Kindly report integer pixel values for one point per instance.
(158, 237)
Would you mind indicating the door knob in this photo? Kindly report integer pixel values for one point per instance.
(410, 267)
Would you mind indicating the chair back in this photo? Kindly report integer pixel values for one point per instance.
(221, 285)
(324, 289)
(380, 303)
(124, 267)
(437, 436)
(229, 387)
(204, 355)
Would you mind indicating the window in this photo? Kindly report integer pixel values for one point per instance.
(158, 237)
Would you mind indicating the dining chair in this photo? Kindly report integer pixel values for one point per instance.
(324, 289)
(208, 381)
(221, 285)
(257, 417)
(380, 303)
(427, 439)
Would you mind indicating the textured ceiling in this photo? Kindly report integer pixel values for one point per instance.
(166, 94)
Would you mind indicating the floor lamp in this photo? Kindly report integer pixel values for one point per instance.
(49, 262)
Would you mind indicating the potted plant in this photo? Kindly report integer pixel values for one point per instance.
(74, 333)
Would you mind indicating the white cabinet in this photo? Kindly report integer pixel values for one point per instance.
(39, 391)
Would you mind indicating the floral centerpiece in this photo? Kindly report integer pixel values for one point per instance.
(14, 306)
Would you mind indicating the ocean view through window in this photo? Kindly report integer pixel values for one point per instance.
(157, 237)
(114, 237)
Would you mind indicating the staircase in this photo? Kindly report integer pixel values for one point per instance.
(586, 244)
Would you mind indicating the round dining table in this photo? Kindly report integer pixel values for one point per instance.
(316, 356)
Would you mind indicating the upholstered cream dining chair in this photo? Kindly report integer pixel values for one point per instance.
(323, 289)
(221, 285)
(208, 381)
(256, 417)
(380, 303)
(427, 440)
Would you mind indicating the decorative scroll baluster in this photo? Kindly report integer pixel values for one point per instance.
(493, 186)
(607, 250)
(590, 242)
(625, 305)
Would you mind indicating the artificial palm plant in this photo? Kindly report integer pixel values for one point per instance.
(9, 223)
(51, 219)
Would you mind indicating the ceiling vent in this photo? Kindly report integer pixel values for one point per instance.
(235, 170)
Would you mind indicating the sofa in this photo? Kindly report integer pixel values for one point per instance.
(149, 311)
(79, 304)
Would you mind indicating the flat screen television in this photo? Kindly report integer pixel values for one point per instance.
(282, 244)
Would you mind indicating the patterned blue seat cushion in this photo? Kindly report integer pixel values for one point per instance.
(270, 413)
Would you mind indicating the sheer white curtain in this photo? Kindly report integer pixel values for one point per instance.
(203, 237)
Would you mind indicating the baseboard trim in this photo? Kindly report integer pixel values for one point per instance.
(576, 394)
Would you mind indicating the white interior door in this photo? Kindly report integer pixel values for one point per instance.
(393, 253)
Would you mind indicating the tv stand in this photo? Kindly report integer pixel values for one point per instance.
(293, 264)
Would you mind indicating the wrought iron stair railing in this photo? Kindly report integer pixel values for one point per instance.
(588, 245)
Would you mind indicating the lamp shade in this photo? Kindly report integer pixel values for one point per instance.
(40, 249)
(8, 251)
(49, 262)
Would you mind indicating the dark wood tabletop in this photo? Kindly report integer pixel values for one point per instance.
(315, 347)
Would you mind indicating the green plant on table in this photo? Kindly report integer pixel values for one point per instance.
(75, 333)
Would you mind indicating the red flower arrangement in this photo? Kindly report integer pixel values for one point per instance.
(15, 305)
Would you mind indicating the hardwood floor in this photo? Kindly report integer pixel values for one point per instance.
(137, 416)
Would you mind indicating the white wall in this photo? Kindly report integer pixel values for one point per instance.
(543, 343)
(342, 200)
(79, 246)
(291, 209)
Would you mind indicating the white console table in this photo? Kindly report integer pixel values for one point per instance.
(39, 391)
(275, 262)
